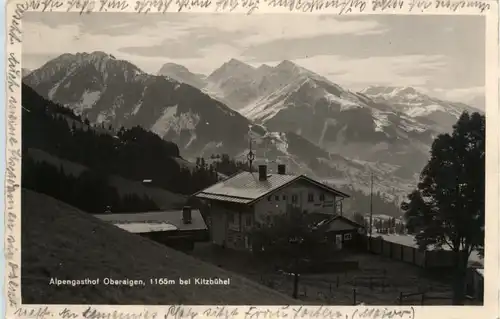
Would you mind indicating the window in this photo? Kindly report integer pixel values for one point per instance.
(248, 220)
(230, 218)
(322, 197)
(310, 197)
(294, 198)
(269, 198)
(277, 197)
(284, 197)
(347, 236)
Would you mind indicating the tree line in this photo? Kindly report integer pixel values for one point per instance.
(135, 153)
(380, 225)
(88, 191)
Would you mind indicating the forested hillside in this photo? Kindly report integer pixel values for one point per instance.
(135, 154)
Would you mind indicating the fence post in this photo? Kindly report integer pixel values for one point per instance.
(354, 296)
(330, 287)
(295, 285)
(338, 281)
(400, 298)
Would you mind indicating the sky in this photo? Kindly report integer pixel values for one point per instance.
(443, 56)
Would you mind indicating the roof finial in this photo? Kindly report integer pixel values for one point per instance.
(250, 155)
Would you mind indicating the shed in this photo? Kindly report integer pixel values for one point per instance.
(344, 232)
(177, 228)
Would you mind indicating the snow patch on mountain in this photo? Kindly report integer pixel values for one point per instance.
(344, 104)
(424, 110)
(87, 100)
(381, 120)
(171, 121)
(412, 102)
(136, 108)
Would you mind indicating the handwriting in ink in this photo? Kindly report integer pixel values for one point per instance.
(13, 73)
(82, 6)
(67, 314)
(145, 6)
(220, 312)
(190, 4)
(92, 313)
(226, 5)
(383, 5)
(229, 5)
(12, 283)
(38, 313)
(180, 312)
(456, 5)
(419, 5)
(319, 312)
(262, 313)
(44, 5)
(105, 5)
(344, 6)
(377, 313)
(15, 33)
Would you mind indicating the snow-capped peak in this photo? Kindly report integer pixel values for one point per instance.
(391, 92)
(287, 65)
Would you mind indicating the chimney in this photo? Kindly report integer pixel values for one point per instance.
(186, 214)
(262, 172)
(282, 169)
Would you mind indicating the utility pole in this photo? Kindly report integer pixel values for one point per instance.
(371, 203)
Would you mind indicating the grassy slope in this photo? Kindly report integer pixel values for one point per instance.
(61, 241)
(163, 198)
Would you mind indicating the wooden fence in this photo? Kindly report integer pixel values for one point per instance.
(409, 254)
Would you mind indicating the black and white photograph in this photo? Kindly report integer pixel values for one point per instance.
(264, 159)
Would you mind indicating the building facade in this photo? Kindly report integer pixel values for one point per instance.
(244, 200)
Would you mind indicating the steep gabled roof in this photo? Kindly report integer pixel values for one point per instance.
(246, 188)
(325, 224)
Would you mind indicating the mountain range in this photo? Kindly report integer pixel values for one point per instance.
(293, 115)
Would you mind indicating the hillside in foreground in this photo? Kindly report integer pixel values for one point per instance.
(59, 241)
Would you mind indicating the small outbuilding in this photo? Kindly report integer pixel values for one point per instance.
(179, 229)
(342, 231)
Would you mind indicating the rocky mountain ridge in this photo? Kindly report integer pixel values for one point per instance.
(294, 115)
